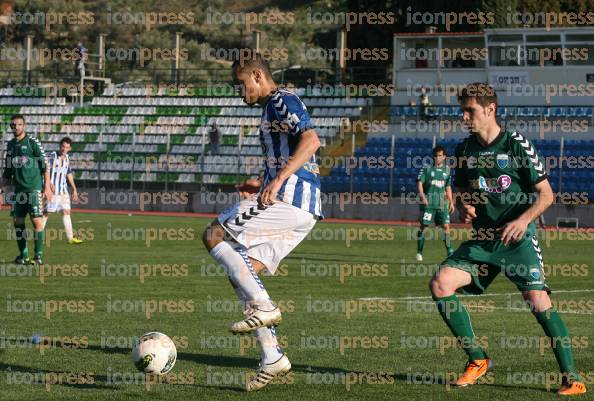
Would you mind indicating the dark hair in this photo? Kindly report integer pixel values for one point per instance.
(17, 116)
(483, 93)
(438, 149)
(66, 140)
(256, 61)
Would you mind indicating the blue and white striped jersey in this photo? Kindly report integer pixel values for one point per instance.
(284, 119)
(59, 169)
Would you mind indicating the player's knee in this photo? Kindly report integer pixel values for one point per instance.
(439, 288)
(212, 235)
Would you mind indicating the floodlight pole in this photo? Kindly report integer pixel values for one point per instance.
(176, 62)
(28, 61)
(256, 37)
(341, 38)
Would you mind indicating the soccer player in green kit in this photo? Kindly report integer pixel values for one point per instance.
(26, 168)
(435, 194)
(496, 172)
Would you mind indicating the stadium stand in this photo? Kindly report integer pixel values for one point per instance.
(155, 135)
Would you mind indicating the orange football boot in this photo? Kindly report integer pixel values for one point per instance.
(474, 371)
(573, 388)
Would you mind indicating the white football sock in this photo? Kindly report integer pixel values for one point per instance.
(270, 350)
(67, 226)
(240, 271)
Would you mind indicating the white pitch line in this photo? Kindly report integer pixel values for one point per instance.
(470, 296)
(418, 300)
(502, 308)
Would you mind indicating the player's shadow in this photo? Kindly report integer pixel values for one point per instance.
(41, 377)
(223, 361)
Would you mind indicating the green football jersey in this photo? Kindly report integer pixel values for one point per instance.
(25, 164)
(435, 180)
(500, 177)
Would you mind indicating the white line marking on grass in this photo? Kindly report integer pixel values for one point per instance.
(470, 296)
(419, 300)
(502, 308)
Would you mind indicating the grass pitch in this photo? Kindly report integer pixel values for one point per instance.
(358, 321)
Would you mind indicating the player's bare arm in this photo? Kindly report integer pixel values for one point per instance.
(515, 229)
(449, 199)
(308, 145)
(70, 179)
(422, 196)
(48, 194)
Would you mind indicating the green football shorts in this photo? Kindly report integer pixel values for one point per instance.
(521, 262)
(24, 203)
(437, 215)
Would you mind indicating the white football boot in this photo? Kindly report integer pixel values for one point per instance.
(419, 257)
(267, 373)
(257, 315)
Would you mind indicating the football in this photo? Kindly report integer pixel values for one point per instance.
(154, 353)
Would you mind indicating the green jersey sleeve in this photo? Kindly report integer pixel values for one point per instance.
(448, 182)
(421, 176)
(7, 173)
(530, 166)
(39, 154)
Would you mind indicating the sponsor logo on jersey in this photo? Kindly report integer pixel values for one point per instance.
(471, 162)
(493, 185)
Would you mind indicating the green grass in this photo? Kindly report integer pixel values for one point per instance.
(319, 371)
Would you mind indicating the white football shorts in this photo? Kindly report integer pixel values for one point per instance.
(58, 203)
(269, 233)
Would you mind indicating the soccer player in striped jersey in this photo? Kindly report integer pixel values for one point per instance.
(27, 170)
(60, 176)
(497, 172)
(276, 212)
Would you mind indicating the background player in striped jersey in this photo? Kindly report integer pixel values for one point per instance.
(435, 192)
(26, 169)
(60, 177)
(277, 212)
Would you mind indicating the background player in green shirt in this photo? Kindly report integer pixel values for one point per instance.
(26, 168)
(496, 171)
(435, 194)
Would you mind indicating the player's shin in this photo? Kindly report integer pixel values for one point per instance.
(21, 237)
(270, 350)
(67, 221)
(455, 315)
(447, 242)
(555, 329)
(420, 241)
(239, 270)
(39, 242)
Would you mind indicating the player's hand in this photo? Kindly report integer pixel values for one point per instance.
(424, 200)
(467, 213)
(248, 188)
(75, 197)
(513, 231)
(268, 196)
(48, 193)
(451, 208)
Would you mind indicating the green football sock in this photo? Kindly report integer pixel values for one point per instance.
(557, 332)
(448, 244)
(455, 315)
(21, 238)
(39, 240)
(420, 241)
